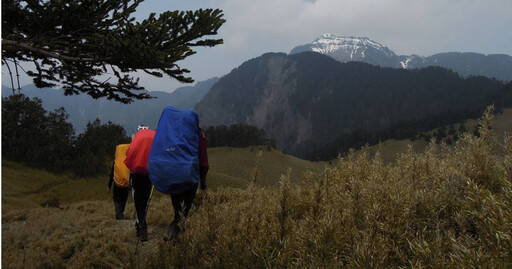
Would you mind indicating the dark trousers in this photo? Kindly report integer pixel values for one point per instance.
(182, 203)
(120, 195)
(141, 188)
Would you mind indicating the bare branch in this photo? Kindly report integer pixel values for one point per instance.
(10, 75)
(17, 75)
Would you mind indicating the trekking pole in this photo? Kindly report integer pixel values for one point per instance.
(133, 197)
(144, 219)
(135, 209)
(149, 202)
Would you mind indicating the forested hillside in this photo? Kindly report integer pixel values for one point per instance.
(47, 140)
(307, 100)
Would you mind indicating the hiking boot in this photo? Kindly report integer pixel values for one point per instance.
(143, 235)
(137, 230)
(172, 232)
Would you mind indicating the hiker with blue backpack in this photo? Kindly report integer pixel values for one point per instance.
(137, 161)
(178, 161)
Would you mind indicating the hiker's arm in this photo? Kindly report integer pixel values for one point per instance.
(203, 160)
(111, 179)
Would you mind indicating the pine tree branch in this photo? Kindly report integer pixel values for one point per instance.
(72, 43)
(10, 45)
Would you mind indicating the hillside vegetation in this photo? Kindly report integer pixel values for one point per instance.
(238, 167)
(389, 149)
(446, 207)
(314, 106)
(54, 220)
(24, 187)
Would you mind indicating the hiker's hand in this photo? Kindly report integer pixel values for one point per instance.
(109, 189)
(203, 186)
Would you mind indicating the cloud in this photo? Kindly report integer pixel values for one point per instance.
(419, 26)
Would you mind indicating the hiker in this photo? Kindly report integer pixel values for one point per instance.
(186, 197)
(178, 161)
(136, 160)
(120, 181)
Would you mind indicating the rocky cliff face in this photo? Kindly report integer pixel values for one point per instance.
(258, 93)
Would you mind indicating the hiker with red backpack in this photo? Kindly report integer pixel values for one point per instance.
(137, 160)
(178, 161)
(120, 181)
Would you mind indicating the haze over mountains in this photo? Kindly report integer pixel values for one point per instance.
(82, 108)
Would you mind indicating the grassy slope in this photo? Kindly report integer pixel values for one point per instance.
(445, 208)
(235, 167)
(81, 231)
(389, 149)
(24, 187)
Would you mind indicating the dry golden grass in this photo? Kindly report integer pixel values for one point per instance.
(24, 187)
(236, 165)
(79, 217)
(389, 149)
(443, 208)
(446, 207)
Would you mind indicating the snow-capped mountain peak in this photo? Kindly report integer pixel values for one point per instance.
(363, 49)
(328, 43)
(347, 48)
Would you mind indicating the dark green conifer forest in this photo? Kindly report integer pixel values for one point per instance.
(46, 140)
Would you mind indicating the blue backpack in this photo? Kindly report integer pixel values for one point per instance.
(174, 158)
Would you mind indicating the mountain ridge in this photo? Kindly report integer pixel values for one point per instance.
(307, 99)
(352, 48)
(83, 108)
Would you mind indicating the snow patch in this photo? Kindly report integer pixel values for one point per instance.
(329, 43)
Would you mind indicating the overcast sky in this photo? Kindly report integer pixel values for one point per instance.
(422, 27)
